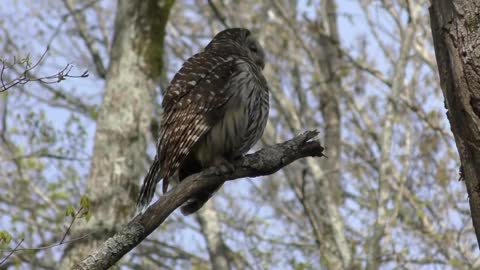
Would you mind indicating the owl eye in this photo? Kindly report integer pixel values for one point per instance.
(253, 48)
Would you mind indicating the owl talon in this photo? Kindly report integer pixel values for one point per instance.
(224, 167)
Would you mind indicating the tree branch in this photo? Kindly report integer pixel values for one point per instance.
(264, 162)
(25, 75)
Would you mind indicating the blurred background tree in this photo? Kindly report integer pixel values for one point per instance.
(361, 71)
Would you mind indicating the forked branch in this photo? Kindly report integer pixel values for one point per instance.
(25, 75)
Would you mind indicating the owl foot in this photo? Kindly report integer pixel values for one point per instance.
(224, 166)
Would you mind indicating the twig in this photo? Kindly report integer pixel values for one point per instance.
(217, 13)
(65, 17)
(42, 154)
(81, 22)
(12, 251)
(24, 77)
(71, 224)
(62, 241)
(48, 246)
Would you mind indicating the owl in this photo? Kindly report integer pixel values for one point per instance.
(214, 110)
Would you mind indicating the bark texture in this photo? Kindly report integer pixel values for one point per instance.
(120, 142)
(263, 162)
(456, 35)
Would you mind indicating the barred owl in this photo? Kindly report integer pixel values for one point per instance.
(215, 110)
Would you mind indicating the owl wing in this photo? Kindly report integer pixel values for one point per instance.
(193, 103)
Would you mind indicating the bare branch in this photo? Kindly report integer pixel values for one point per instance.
(218, 14)
(83, 211)
(48, 246)
(26, 77)
(71, 224)
(82, 27)
(264, 162)
(12, 251)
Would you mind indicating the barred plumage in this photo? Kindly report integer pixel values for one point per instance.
(215, 110)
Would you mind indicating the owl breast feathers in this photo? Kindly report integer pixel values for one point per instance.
(215, 110)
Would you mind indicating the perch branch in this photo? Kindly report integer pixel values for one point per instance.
(264, 162)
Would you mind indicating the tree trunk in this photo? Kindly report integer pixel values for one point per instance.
(210, 227)
(456, 35)
(374, 249)
(329, 181)
(117, 165)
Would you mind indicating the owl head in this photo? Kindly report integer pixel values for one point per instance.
(241, 41)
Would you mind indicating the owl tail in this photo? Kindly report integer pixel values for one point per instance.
(148, 187)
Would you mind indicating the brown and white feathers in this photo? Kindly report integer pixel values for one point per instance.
(215, 110)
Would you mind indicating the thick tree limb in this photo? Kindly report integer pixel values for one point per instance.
(264, 162)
